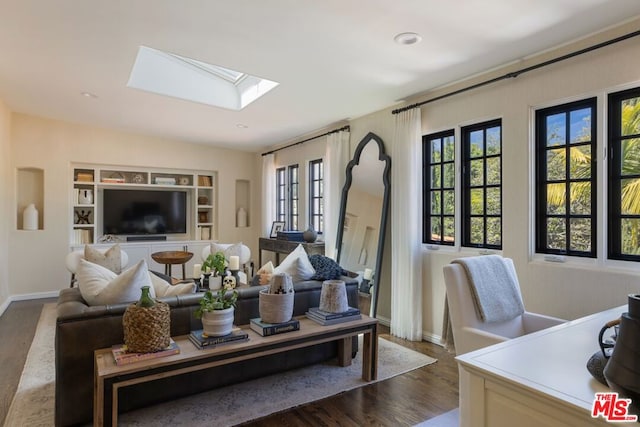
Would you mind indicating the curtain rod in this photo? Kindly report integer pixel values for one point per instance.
(515, 74)
(308, 139)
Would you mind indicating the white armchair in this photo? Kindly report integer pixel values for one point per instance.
(73, 260)
(469, 332)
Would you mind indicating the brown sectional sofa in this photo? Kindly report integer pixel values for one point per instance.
(82, 329)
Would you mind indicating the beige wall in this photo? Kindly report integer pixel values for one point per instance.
(37, 258)
(568, 290)
(5, 174)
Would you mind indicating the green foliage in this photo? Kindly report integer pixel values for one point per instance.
(216, 301)
(215, 262)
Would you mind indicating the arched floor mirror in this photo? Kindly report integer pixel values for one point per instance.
(363, 212)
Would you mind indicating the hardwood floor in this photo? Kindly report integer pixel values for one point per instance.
(404, 400)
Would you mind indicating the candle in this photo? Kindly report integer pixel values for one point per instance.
(367, 274)
(234, 262)
(197, 271)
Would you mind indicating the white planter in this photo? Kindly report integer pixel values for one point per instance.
(275, 308)
(218, 323)
(215, 282)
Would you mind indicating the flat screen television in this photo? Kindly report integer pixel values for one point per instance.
(144, 211)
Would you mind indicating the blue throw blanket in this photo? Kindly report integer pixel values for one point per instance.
(494, 287)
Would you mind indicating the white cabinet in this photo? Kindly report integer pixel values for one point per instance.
(538, 379)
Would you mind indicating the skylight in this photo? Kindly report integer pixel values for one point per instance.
(186, 78)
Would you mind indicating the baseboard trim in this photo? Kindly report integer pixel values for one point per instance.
(36, 295)
(25, 297)
(5, 305)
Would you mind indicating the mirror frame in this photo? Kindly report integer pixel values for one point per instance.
(382, 156)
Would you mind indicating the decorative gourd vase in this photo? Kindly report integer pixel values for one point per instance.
(218, 323)
(30, 217)
(145, 299)
(622, 371)
(310, 235)
(85, 197)
(147, 324)
(241, 218)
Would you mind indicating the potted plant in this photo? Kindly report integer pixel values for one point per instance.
(216, 264)
(216, 311)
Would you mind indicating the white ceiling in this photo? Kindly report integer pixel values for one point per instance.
(334, 59)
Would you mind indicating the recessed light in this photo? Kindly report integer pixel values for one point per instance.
(407, 38)
(88, 95)
(241, 126)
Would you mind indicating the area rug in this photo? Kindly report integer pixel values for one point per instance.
(448, 419)
(33, 403)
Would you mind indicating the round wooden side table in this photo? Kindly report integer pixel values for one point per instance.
(169, 258)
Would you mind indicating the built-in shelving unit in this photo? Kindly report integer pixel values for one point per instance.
(89, 180)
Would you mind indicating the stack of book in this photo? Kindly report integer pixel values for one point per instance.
(124, 357)
(265, 329)
(327, 318)
(81, 236)
(200, 340)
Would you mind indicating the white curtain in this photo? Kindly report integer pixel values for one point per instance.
(336, 159)
(406, 205)
(268, 193)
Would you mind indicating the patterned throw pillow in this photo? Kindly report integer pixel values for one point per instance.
(326, 268)
(110, 259)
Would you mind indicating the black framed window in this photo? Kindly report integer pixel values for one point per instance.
(566, 179)
(281, 194)
(292, 224)
(438, 188)
(482, 185)
(316, 195)
(624, 175)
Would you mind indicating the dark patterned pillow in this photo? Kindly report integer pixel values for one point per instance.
(326, 268)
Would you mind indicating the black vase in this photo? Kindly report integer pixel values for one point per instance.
(623, 368)
(310, 235)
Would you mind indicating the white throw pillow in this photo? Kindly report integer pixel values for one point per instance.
(164, 289)
(296, 265)
(111, 258)
(101, 286)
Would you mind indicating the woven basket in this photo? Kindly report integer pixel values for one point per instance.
(275, 308)
(147, 329)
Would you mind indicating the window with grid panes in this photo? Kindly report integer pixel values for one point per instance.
(482, 185)
(316, 195)
(566, 179)
(624, 175)
(438, 152)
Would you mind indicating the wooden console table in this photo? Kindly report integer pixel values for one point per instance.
(109, 377)
(540, 379)
(280, 246)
